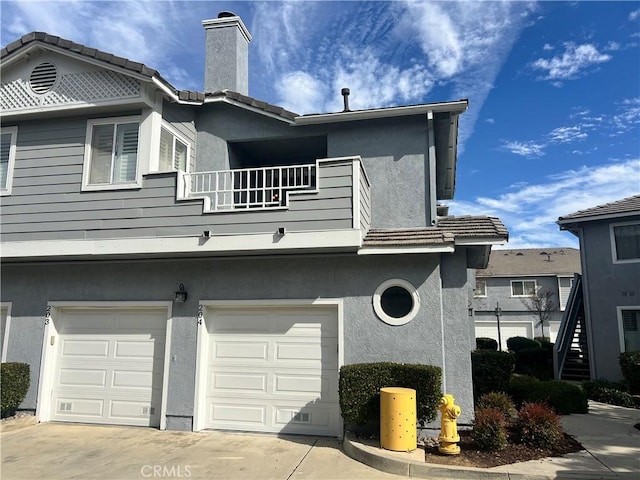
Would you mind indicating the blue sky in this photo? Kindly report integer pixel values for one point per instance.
(554, 87)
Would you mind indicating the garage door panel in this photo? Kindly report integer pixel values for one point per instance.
(268, 369)
(249, 350)
(108, 373)
(238, 415)
(85, 348)
(138, 349)
(72, 377)
(246, 383)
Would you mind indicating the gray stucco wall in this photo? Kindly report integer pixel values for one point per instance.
(353, 278)
(608, 286)
(393, 154)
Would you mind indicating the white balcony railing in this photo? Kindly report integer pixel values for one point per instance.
(249, 188)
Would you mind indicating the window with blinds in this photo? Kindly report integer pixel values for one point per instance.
(631, 330)
(114, 153)
(173, 152)
(565, 284)
(7, 158)
(523, 288)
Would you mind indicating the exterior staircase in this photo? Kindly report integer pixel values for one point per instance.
(571, 350)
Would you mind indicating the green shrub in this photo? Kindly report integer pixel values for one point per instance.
(537, 362)
(538, 426)
(485, 343)
(564, 398)
(630, 366)
(14, 384)
(613, 393)
(491, 371)
(515, 344)
(360, 384)
(489, 429)
(499, 400)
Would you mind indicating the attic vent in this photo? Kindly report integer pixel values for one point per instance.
(43, 77)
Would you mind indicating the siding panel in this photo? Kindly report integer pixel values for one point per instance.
(47, 202)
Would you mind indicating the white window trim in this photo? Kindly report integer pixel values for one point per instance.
(137, 183)
(621, 325)
(169, 128)
(7, 327)
(614, 253)
(535, 283)
(377, 305)
(12, 158)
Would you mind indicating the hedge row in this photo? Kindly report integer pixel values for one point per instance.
(491, 371)
(14, 384)
(630, 365)
(564, 398)
(360, 384)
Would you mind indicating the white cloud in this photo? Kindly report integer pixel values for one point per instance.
(530, 212)
(628, 116)
(567, 134)
(574, 61)
(546, 46)
(524, 149)
(300, 91)
(634, 15)
(490, 120)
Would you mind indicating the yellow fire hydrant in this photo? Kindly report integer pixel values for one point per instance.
(448, 427)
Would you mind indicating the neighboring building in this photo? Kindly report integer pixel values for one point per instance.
(510, 282)
(603, 315)
(191, 260)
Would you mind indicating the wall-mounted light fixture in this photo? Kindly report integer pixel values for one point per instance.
(181, 294)
(281, 231)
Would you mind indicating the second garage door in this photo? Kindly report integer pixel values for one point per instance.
(109, 366)
(507, 330)
(272, 370)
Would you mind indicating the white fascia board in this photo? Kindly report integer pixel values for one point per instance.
(404, 250)
(195, 245)
(451, 107)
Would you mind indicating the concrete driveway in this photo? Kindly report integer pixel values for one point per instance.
(76, 451)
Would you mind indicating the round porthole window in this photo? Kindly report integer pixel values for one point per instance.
(43, 77)
(396, 302)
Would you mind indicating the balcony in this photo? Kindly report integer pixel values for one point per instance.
(249, 188)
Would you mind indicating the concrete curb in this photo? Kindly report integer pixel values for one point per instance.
(383, 461)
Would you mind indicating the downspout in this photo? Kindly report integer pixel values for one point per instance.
(444, 360)
(431, 174)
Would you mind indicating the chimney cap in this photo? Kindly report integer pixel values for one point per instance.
(226, 14)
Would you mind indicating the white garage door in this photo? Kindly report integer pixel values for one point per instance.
(507, 330)
(272, 370)
(109, 366)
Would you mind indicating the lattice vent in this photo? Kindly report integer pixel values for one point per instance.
(43, 77)
(73, 88)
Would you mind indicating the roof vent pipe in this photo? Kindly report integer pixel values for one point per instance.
(345, 95)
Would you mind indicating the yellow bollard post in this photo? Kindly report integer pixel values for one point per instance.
(398, 419)
(448, 426)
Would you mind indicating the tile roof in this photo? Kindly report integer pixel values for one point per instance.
(140, 69)
(629, 205)
(532, 261)
(447, 231)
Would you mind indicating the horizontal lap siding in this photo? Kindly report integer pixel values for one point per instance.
(47, 202)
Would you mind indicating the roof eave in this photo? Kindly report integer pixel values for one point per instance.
(456, 108)
(566, 222)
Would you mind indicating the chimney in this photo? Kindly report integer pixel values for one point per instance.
(226, 54)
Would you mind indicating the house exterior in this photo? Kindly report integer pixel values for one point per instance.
(513, 278)
(603, 315)
(205, 260)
